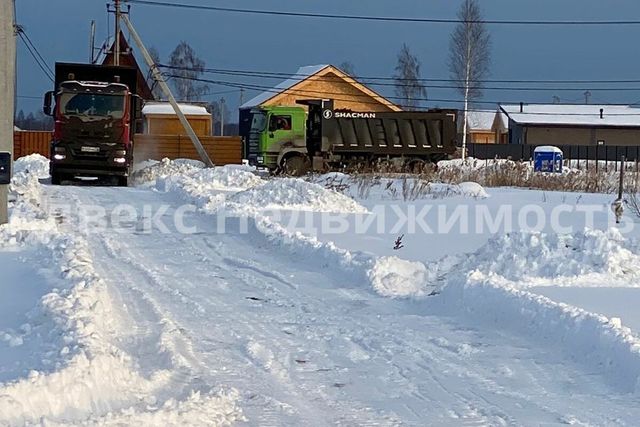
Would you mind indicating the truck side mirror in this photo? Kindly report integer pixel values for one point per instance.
(47, 103)
(273, 124)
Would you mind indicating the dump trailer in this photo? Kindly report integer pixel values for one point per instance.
(295, 140)
(95, 119)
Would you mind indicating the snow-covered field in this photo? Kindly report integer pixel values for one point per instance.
(216, 297)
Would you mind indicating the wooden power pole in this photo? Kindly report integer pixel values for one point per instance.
(157, 75)
(116, 44)
(7, 91)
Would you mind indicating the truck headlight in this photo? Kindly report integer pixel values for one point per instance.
(119, 160)
(121, 153)
(59, 157)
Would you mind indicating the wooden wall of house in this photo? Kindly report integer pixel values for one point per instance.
(166, 124)
(344, 94)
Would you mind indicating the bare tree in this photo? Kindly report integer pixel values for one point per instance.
(187, 67)
(348, 68)
(469, 58)
(221, 115)
(407, 79)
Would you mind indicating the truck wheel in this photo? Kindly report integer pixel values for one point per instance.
(123, 181)
(296, 165)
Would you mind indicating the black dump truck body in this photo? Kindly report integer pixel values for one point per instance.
(95, 115)
(339, 135)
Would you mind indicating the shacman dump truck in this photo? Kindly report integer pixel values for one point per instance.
(95, 117)
(291, 140)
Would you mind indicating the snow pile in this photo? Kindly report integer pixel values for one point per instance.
(588, 258)
(150, 171)
(93, 377)
(396, 278)
(34, 164)
(295, 194)
(225, 178)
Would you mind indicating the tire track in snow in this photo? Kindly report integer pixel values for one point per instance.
(314, 319)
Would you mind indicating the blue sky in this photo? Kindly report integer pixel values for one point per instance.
(60, 30)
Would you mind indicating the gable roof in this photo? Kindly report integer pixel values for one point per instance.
(308, 73)
(302, 74)
(127, 58)
(574, 115)
(481, 120)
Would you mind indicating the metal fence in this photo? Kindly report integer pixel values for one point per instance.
(582, 156)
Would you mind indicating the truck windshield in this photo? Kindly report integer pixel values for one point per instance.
(91, 104)
(259, 122)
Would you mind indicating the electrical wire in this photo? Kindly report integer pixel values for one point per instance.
(382, 18)
(24, 33)
(336, 97)
(257, 73)
(299, 78)
(47, 72)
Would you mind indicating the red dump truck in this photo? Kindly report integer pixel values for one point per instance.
(95, 113)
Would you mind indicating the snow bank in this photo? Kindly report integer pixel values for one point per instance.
(295, 194)
(35, 164)
(588, 258)
(149, 171)
(589, 338)
(490, 286)
(93, 377)
(394, 277)
(291, 193)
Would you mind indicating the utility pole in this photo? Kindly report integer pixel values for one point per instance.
(7, 91)
(92, 41)
(157, 76)
(241, 96)
(222, 116)
(587, 95)
(116, 53)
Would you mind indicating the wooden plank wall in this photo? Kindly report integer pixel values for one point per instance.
(30, 142)
(224, 150)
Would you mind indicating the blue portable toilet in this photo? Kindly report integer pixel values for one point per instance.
(547, 158)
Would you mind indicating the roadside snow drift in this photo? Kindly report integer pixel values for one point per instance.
(93, 381)
(295, 194)
(490, 286)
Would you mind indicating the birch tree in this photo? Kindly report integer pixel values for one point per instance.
(187, 67)
(469, 58)
(408, 87)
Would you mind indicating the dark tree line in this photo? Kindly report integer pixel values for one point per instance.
(33, 121)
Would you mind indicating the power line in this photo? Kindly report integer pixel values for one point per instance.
(379, 18)
(24, 33)
(336, 97)
(35, 56)
(267, 75)
(362, 78)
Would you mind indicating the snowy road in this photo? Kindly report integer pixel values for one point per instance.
(306, 345)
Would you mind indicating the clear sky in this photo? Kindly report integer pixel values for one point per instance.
(60, 30)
